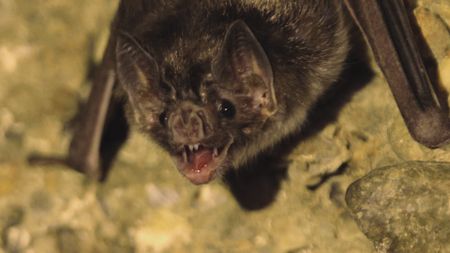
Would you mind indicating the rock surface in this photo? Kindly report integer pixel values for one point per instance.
(146, 206)
(405, 207)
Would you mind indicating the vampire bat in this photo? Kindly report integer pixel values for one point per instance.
(217, 82)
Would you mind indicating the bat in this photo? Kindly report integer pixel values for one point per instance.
(215, 83)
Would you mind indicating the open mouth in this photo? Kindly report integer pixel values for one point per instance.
(200, 163)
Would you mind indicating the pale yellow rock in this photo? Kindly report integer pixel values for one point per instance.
(444, 71)
(159, 231)
(441, 7)
(435, 32)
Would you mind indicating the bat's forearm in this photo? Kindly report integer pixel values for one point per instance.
(388, 32)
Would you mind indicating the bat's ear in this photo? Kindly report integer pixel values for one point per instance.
(136, 68)
(243, 66)
(137, 71)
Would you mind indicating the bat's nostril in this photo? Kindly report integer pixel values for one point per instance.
(187, 126)
(206, 126)
(185, 116)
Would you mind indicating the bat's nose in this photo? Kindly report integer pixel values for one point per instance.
(188, 124)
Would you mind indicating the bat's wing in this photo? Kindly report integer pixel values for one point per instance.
(102, 127)
(387, 29)
(84, 150)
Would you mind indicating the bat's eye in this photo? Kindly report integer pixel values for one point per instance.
(163, 118)
(227, 109)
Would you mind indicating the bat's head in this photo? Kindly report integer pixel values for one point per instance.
(207, 114)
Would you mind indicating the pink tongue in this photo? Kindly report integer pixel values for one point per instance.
(202, 158)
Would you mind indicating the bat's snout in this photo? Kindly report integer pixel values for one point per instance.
(189, 124)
